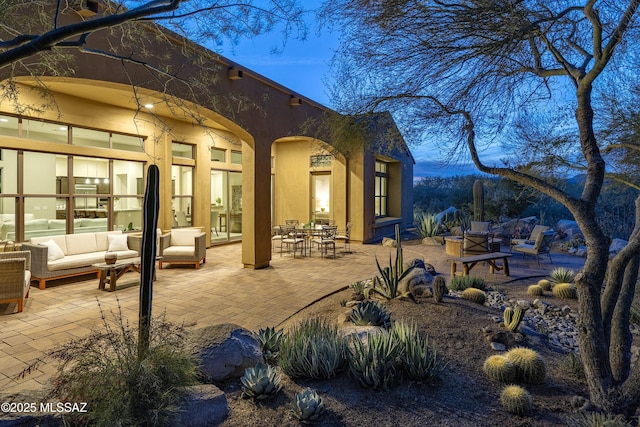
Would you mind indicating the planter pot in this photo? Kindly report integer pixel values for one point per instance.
(110, 257)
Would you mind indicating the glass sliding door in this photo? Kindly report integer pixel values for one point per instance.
(321, 197)
(226, 206)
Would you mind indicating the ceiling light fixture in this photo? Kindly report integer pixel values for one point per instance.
(148, 106)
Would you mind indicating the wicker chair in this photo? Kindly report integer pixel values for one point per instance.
(15, 277)
(183, 246)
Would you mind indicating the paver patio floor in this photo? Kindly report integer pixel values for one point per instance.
(221, 291)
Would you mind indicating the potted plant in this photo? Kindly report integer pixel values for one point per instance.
(218, 201)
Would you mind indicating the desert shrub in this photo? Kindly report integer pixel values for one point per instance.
(260, 382)
(420, 360)
(307, 405)
(370, 313)
(103, 370)
(532, 368)
(357, 288)
(313, 348)
(572, 363)
(498, 368)
(562, 275)
(544, 284)
(596, 419)
(565, 291)
(375, 361)
(516, 400)
(535, 291)
(270, 341)
(460, 283)
(475, 295)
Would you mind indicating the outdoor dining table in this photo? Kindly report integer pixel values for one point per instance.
(308, 233)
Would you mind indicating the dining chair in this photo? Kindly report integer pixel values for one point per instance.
(181, 218)
(293, 239)
(214, 222)
(345, 237)
(278, 233)
(327, 239)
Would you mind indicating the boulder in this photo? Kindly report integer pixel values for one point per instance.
(388, 242)
(203, 405)
(432, 241)
(418, 281)
(225, 351)
(568, 228)
(616, 246)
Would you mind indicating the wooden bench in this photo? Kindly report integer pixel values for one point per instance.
(468, 262)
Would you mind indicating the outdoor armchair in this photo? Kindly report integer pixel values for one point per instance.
(475, 243)
(183, 246)
(15, 277)
(541, 246)
(537, 230)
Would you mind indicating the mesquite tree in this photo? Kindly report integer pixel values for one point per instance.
(483, 73)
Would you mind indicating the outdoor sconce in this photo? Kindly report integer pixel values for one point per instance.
(234, 74)
(295, 101)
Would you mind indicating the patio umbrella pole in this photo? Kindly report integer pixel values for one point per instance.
(150, 210)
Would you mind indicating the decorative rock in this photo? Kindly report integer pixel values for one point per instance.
(388, 242)
(431, 241)
(565, 310)
(616, 246)
(204, 405)
(498, 346)
(416, 282)
(225, 350)
(361, 331)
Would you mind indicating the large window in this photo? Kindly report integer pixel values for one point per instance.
(182, 191)
(381, 188)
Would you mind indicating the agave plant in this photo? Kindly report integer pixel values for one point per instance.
(260, 382)
(386, 285)
(562, 275)
(375, 362)
(307, 405)
(270, 341)
(370, 313)
(427, 224)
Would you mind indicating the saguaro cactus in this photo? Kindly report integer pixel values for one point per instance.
(478, 201)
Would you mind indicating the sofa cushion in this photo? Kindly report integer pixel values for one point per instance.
(61, 241)
(57, 224)
(54, 252)
(186, 237)
(36, 224)
(93, 222)
(85, 260)
(117, 242)
(179, 251)
(81, 243)
(102, 239)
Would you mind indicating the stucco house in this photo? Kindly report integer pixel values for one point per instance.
(78, 161)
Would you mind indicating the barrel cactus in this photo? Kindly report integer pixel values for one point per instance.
(544, 284)
(565, 291)
(535, 291)
(498, 368)
(439, 288)
(260, 382)
(475, 295)
(513, 317)
(307, 405)
(516, 400)
(531, 367)
(370, 313)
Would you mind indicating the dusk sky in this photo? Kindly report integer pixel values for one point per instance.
(303, 66)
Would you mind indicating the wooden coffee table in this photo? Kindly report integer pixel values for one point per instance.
(110, 273)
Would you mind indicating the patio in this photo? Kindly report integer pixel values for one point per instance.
(221, 291)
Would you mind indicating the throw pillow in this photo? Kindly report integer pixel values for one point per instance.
(54, 252)
(117, 242)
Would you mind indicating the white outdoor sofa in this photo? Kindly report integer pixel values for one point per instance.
(67, 255)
